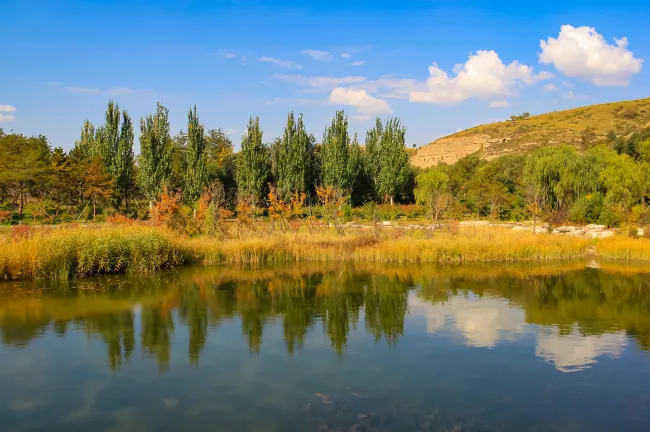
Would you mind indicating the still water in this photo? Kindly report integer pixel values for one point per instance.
(330, 348)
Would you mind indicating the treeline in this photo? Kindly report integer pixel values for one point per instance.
(608, 182)
(102, 174)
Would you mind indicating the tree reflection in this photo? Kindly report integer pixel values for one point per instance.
(577, 302)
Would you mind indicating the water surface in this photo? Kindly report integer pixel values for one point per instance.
(330, 348)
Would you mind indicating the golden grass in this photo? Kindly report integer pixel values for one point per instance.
(64, 252)
(80, 251)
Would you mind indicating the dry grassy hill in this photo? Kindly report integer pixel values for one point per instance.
(560, 127)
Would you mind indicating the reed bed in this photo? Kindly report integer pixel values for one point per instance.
(62, 253)
(80, 251)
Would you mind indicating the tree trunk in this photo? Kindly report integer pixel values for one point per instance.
(21, 203)
(391, 200)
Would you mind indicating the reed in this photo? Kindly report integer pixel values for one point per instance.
(80, 251)
(624, 248)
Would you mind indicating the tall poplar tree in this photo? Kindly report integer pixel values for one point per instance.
(107, 137)
(294, 159)
(155, 152)
(373, 151)
(335, 154)
(393, 160)
(195, 154)
(252, 162)
(86, 143)
(122, 166)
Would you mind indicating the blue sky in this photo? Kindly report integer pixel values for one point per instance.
(440, 66)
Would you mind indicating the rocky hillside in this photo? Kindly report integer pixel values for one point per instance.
(522, 134)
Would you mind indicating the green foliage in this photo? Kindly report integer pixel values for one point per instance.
(155, 153)
(253, 167)
(393, 159)
(337, 169)
(196, 158)
(123, 163)
(294, 150)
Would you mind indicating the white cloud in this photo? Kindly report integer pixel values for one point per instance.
(87, 90)
(499, 104)
(581, 52)
(281, 63)
(7, 108)
(360, 99)
(275, 100)
(358, 63)
(6, 118)
(317, 55)
(571, 352)
(390, 87)
(550, 88)
(229, 55)
(544, 75)
(346, 55)
(320, 83)
(483, 76)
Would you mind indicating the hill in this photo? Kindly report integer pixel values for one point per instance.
(523, 134)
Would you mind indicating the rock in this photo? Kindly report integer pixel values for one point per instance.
(474, 223)
(606, 234)
(387, 223)
(565, 229)
(640, 232)
(595, 227)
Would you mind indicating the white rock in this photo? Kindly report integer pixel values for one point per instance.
(595, 227)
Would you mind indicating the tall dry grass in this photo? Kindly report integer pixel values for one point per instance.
(79, 251)
(624, 248)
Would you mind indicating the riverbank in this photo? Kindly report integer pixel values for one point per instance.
(64, 252)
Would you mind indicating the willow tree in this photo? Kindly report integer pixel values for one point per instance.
(122, 164)
(393, 160)
(294, 158)
(155, 152)
(335, 155)
(195, 158)
(252, 162)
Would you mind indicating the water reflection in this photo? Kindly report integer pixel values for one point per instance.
(575, 314)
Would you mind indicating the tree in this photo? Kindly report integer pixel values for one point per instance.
(432, 191)
(588, 138)
(393, 159)
(219, 151)
(107, 138)
(195, 174)
(294, 158)
(23, 165)
(155, 153)
(373, 153)
(123, 161)
(335, 154)
(99, 183)
(252, 162)
(86, 143)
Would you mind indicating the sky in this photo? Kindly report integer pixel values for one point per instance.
(440, 66)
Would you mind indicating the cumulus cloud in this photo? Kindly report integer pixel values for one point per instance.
(7, 108)
(581, 52)
(499, 104)
(365, 103)
(281, 63)
(317, 55)
(544, 75)
(483, 76)
(358, 63)
(549, 88)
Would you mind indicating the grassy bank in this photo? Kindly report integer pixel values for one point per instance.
(80, 251)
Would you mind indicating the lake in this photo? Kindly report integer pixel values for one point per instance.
(330, 347)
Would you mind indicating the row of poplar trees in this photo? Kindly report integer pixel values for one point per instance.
(292, 163)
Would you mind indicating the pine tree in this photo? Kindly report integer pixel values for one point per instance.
(122, 166)
(196, 173)
(393, 159)
(155, 153)
(335, 154)
(294, 158)
(252, 162)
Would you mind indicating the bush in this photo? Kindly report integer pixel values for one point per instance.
(587, 209)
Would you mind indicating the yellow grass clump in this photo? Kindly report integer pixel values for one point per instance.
(63, 252)
(624, 248)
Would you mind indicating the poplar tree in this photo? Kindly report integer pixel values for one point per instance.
(294, 158)
(195, 154)
(373, 142)
(155, 152)
(86, 143)
(335, 154)
(252, 162)
(107, 136)
(122, 166)
(393, 159)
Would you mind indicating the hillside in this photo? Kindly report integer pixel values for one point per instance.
(559, 127)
